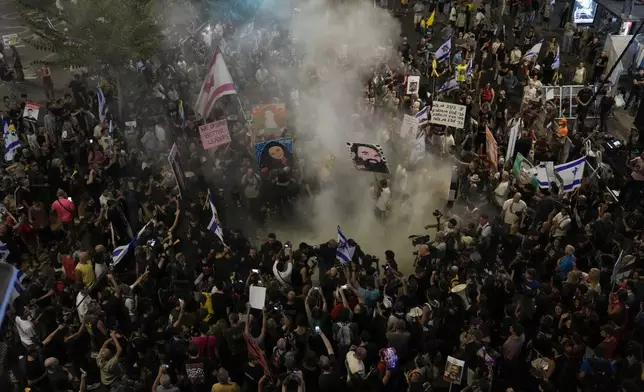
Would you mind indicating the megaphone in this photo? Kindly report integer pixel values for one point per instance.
(461, 291)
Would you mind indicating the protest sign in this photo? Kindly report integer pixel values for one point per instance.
(274, 154)
(409, 126)
(214, 134)
(11, 40)
(453, 370)
(257, 297)
(450, 114)
(524, 171)
(368, 157)
(268, 121)
(491, 148)
(413, 85)
(174, 158)
(31, 111)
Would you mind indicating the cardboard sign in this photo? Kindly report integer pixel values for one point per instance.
(413, 85)
(449, 114)
(31, 111)
(368, 157)
(10, 40)
(214, 134)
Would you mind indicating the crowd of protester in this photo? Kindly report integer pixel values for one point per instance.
(533, 288)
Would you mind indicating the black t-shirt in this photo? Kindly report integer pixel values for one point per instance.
(198, 372)
(638, 78)
(252, 375)
(220, 301)
(34, 370)
(330, 382)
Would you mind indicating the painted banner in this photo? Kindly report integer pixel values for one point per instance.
(268, 121)
(274, 154)
(449, 114)
(368, 157)
(214, 134)
(491, 148)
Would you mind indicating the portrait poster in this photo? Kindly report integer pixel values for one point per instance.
(174, 158)
(448, 114)
(31, 111)
(524, 171)
(413, 85)
(409, 126)
(454, 370)
(268, 121)
(368, 157)
(584, 11)
(214, 134)
(491, 148)
(274, 154)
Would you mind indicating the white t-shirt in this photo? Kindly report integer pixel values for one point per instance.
(26, 331)
(383, 200)
(81, 307)
(354, 365)
(501, 192)
(511, 209)
(160, 133)
(560, 225)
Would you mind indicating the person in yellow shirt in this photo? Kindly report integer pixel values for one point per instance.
(206, 304)
(461, 71)
(404, 6)
(224, 384)
(84, 271)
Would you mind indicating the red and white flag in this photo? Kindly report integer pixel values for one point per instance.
(217, 83)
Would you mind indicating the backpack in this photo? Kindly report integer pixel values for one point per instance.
(344, 336)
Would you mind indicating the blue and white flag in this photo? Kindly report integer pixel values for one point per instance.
(422, 116)
(557, 61)
(534, 51)
(119, 253)
(571, 173)
(11, 142)
(470, 67)
(448, 86)
(344, 252)
(213, 225)
(444, 51)
(4, 252)
(102, 105)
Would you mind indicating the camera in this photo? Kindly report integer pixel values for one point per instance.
(419, 239)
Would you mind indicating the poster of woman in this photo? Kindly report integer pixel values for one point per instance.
(274, 154)
(368, 157)
(268, 121)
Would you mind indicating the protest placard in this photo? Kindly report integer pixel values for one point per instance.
(409, 126)
(11, 40)
(214, 134)
(257, 297)
(31, 110)
(413, 85)
(449, 114)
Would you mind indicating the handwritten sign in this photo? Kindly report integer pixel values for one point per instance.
(409, 126)
(449, 114)
(214, 134)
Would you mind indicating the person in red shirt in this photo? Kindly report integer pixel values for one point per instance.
(64, 208)
(206, 344)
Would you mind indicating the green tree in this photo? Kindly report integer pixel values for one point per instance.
(95, 33)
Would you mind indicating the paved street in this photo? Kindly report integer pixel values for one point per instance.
(11, 22)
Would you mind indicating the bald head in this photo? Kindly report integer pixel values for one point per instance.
(165, 381)
(361, 353)
(51, 363)
(222, 376)
(517, 197)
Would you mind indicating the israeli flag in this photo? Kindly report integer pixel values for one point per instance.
(534, 51)
(11, 142)
(470, 67)
(557, 61)
(344, 252)
(4, 252)
(120, 252)
(214, 221)
(448, 86)
(542, 176)
(444, 51)
(423, 116)
(571, 173)
(102, 105)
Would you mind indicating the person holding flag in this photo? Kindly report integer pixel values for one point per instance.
(344, 253)
(444, 51)
(533, 53)
(11, 142)
(214, 224)
(449, 86)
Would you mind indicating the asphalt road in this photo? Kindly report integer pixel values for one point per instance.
(12, 22)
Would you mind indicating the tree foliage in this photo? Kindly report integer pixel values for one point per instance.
(95, 33)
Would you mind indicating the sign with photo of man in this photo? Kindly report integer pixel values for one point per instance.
(368, 157)
(31, 111)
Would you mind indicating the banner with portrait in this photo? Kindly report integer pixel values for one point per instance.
(268, 121)
(274, 154)
(454, 370)
(368, 157)
(413, 85)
